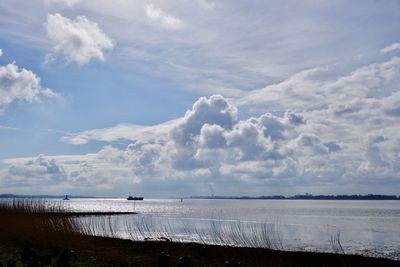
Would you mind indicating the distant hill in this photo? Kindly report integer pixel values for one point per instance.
(309, 197)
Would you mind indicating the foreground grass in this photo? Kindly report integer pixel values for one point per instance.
(58, 239)
(98, 251)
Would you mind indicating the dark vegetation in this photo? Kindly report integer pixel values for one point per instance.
(34, 233)
(12, 196)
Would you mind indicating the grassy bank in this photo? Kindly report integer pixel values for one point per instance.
(97, 251)
(59, 239)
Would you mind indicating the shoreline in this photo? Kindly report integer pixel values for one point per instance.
(90, 213)
(216, 255)
(50, 229)
(103, 251)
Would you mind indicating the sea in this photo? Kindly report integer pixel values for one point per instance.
(369, 228)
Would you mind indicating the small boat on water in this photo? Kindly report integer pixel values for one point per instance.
(134, 198)
(66, 197)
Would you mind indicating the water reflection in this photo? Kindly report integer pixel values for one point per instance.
(366, 227)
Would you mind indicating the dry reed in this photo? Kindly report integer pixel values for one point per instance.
(49, 223)
(36, 220)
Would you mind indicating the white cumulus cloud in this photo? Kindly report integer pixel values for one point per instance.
(307, 132)
(214, 110)
(332, 135)
(77, 40)
(19, 84)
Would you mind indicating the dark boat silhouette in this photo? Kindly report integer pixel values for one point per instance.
(66, 197)
(134, 198)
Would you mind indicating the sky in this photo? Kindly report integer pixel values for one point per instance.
(201, 97)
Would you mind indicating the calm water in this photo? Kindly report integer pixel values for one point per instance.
(365, 227)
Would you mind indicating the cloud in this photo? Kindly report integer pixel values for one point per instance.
(206, 4)
(66, 2)
(315, 137)
(219, 51)
(331, 135)
(212, 136)
(121, 132)
(78, 41)
(59, 174)
(202, 145)
(248, 142)
(306, 91)
(1, 52)
(390, 48)
(37, 171)
(20, 85)
(310, 143)
(162, 18)
(214, 110)
(340, 116)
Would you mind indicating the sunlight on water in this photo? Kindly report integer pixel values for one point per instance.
(365, 227)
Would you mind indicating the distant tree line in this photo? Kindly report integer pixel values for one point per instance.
(310, 196)
(305, 197)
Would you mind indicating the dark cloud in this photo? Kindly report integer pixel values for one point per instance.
(38, 171)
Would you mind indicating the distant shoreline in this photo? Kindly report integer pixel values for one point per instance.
(274, 197)
(41, 196)
(306, 197)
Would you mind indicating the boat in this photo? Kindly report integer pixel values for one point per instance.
(134, 198)
(66, 197)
